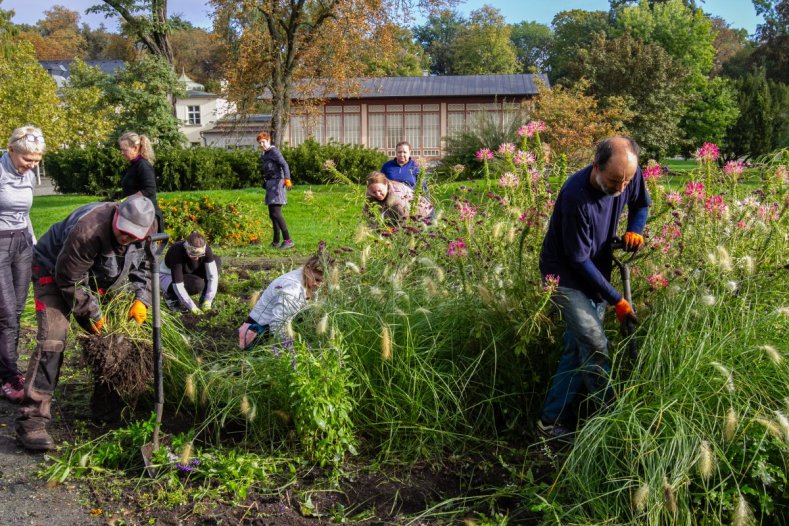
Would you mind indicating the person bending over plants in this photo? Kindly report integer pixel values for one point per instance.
(190, 267)
(576, 257)
(95, 250)
(282, 300)
(389, 202)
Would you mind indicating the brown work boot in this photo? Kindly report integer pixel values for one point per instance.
(35, 440)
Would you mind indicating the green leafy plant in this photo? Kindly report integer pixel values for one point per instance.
(223, 224)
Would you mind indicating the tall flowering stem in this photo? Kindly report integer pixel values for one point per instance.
(484, 155)
(419, 188)
(707, 155)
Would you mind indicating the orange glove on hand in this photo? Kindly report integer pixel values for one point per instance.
(288, 184)
(632, 241)
(138, 311)
(624, 311)
(96, 326)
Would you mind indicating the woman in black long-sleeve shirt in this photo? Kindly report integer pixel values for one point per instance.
(140, 177)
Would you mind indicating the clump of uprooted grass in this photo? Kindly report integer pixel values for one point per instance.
(122, 355)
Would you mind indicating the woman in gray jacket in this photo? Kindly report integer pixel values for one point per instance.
(276, 178)
(17, 180)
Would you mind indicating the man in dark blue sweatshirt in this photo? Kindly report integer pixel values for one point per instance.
(577, 252)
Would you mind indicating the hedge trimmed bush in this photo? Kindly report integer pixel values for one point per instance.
(98, 171)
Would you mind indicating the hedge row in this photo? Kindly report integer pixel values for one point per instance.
(98, 171)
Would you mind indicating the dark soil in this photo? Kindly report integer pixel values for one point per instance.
(119, 361)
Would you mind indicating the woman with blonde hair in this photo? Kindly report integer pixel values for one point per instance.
(282, 300)
(276, 179)
(190, 267)
(390, 202)
(25, 148)
(140, 177)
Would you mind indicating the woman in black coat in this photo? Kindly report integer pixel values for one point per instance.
(276, 179)
(140, 176)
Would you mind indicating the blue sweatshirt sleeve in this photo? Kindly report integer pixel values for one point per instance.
(637, 219)
(589, 272)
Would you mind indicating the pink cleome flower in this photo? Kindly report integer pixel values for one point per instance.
(506, 147)
(657, 281)
(457, 248)
(707, 153)
(509, 180)
(466, 212)
(530, 129)
(652, 171)
(715, 206)
(733, 168)
(520, 158)
(484, 154)
(694, 191)
(550, 283)
(674, 199)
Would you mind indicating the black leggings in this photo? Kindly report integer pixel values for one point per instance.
(278, 222)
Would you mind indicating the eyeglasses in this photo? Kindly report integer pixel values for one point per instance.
(32, 137)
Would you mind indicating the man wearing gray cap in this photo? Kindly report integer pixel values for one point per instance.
(94, 250)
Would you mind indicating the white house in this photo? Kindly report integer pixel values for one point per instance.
(198, 111)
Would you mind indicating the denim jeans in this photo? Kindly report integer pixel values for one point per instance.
(16, 253)
(584, 366)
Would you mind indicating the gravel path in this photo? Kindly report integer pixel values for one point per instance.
(24, 498)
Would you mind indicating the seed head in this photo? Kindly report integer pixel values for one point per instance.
(254, 299)
(247, 408)
(386, 343)
(422, 310)
(511, 235)
(773, 353)
(669, 498)
(365, 255)
(730, 425)
(742, 513)
(204, 395)
(189, 388)
(353, 266)
(376, 292)
(706, 462)
(334, 278)
(289, 330)
(323, 325)
(748, 265)
(783, 423)
(485, 295)
(724, 259)
(708, 299)
(772, 427)
(783, 311)
(361, 233)
(186, 454)
(83, 460)
(498, 229)
(430, 286)
(641, 497)
(727, 375)
(282, 415)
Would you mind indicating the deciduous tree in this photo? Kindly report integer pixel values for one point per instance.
(573, 31)
(436, 36)
(483, 46)
(773, 37)
(532, 42)
(301, 48)
(89, 115)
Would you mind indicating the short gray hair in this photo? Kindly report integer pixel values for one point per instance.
(27, 139)
(605, 149)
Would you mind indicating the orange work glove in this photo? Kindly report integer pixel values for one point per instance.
(96, 326)
(138, 311)
(624, 311)
(288, 184)
(632, 241)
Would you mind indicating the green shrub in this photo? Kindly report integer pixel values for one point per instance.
(98, 171)
(226, 224)
(355, 162)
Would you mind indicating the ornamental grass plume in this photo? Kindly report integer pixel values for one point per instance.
(783, 423)
(706, 462)
(724, 259)
(774, 428)
(430, 286)
(728, 376)
(247, 408)
(743, 516)
(730, 424)
(748, 265)
(353, 267)
(189, 387)
(641, 497)
(772, 353)
(708, 300)
(485, 295)
(362, 233)
(323, 325)
(386, 343)
(186, 454)
(669, 497)
(497, 230)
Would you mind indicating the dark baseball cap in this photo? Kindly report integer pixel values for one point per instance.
(135, 216)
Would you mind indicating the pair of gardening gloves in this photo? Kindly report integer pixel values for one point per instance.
(138, 312)
(205, 306)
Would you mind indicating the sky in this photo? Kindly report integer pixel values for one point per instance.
(739, 13)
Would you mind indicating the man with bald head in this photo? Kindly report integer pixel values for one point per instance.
(577, 251)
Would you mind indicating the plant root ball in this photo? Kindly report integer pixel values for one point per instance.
(120, 362)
